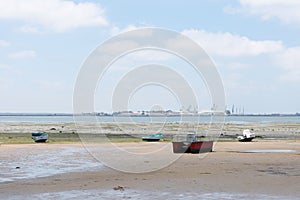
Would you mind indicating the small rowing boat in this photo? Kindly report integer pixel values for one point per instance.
(39, 136)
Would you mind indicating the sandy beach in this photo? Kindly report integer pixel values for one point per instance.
(229, 172)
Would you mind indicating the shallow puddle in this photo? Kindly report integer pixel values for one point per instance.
(147, 195)
(32, 162)
(270, 151)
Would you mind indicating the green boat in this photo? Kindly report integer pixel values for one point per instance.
(153, 138)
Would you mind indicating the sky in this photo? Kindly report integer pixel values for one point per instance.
(254, 44)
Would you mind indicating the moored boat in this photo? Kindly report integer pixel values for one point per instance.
(248, 136)
(39, 136)
(153, 138)
(191, 145)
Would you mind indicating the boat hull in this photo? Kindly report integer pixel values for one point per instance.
(246, 139)
(40, 140)
(193, 147)
(151, 139)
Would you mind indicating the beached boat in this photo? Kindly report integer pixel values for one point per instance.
(153, 138)
(190, 144)
(40, 136)
(248, 136)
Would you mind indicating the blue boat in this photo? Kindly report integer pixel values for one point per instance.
(40, 136)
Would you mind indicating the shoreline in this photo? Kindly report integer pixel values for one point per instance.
(161, 114)
(20, 132)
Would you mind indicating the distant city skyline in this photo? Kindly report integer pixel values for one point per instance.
(254, 44)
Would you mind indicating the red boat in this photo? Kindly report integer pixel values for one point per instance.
(191, 145)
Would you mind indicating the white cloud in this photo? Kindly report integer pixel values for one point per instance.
(234, 65)
(55, 15)
(4, 43)
(118, 47)
(29, 29)
(227, 44)
(23, 54)
(289, 61)
(236, 52)
(286, 11)
(117, 30)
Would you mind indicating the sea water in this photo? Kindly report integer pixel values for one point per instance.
(159, 119)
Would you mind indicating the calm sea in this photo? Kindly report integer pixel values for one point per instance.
(203, 119)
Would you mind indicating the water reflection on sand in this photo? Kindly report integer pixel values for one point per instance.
(33, 161)
(147, 195)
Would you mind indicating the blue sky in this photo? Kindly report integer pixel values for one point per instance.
(254, 44)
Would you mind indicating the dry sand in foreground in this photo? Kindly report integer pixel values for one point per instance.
(224, 170)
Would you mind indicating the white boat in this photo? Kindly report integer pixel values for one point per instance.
(248, 135)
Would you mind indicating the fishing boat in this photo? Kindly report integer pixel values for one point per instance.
(153, 138)
(190, 144)
(248, 136)
(39, 136)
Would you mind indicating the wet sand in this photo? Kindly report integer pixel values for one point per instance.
(226, 173)
(20, 132)
(281, 130)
